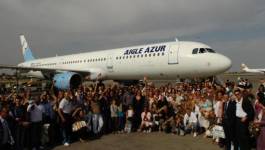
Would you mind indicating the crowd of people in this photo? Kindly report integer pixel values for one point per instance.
(89, 112)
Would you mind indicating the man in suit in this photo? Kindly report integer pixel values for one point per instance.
(6, 139)
(229, 119)
(244, 114)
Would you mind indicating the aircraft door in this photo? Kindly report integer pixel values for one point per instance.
(60, 63)
(110, 63)
(173, 54)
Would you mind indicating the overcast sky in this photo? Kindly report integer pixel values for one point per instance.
(235, 28)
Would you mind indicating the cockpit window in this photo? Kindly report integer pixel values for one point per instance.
(202, 50)
(210, 50)
(195, 51)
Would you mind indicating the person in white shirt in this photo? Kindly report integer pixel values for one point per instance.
(218, 107)
(191, 122)
(146, 121)
(36, 112)
(244, 114)
(129, 119)
(114, 116)
(179, 97)
(65, 110)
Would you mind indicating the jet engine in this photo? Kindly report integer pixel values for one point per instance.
(67, 80)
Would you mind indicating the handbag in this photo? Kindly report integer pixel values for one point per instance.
(78, 125)
(254, 129)
(218, 131)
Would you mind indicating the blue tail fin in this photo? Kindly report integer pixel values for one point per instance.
(28, 56)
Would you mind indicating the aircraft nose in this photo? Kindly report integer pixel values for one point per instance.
(219, 63)
(225, 63)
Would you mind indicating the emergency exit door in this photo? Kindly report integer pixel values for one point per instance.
(173, 54)
(109, 63)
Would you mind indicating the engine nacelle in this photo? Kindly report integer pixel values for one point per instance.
(67, 80)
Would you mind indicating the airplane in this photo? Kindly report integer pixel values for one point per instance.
(245, 68)
(160, 61)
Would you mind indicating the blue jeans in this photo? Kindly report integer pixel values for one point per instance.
(66, 137)
(66, 128)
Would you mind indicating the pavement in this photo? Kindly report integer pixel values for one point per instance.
(144, 141)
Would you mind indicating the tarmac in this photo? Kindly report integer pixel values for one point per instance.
(144, 141)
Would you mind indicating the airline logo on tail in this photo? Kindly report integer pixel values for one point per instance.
(27, 54)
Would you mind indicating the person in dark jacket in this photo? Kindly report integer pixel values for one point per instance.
(138, 106)
(19, 114)
(244, 114)
(6, 138)
(229, 119)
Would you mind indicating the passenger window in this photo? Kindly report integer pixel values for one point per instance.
(195, 51)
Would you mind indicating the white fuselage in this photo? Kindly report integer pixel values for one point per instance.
(171, 60)
(261, 71)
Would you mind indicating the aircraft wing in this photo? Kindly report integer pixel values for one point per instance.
(42, 69)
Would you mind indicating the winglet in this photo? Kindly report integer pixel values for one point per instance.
(27, 54)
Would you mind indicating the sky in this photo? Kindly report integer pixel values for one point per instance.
(235, 28)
